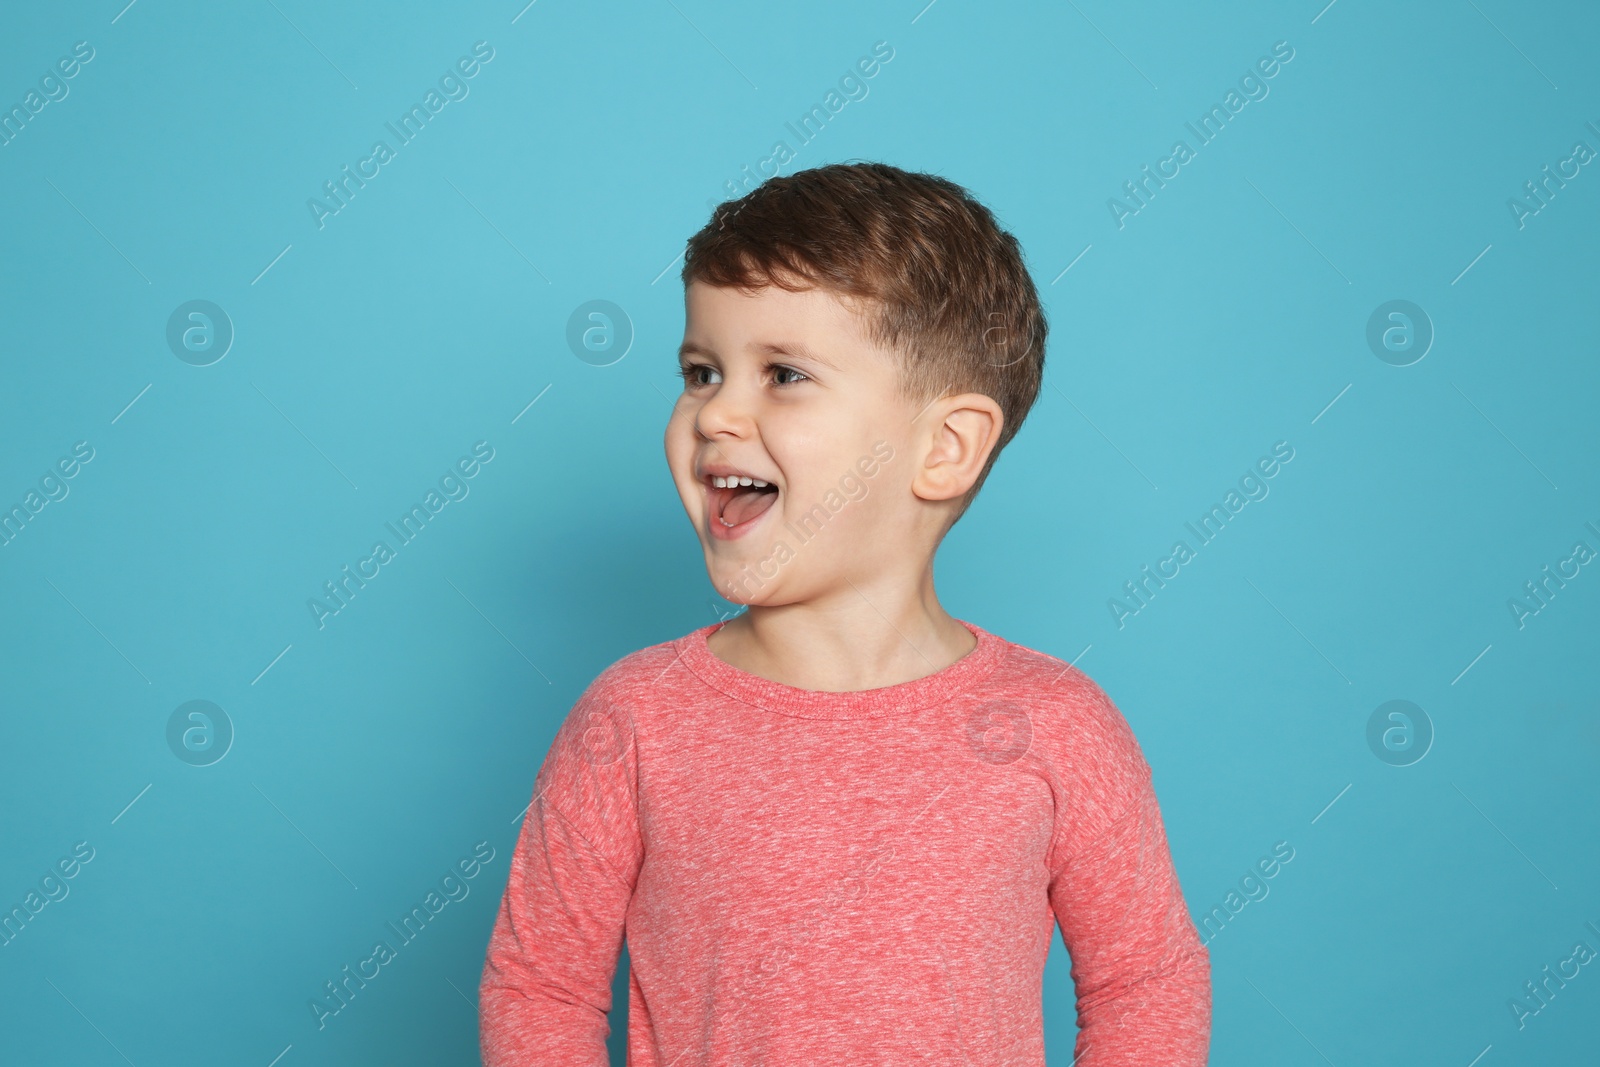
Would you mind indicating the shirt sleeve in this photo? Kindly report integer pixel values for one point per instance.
(1142, 975)
(546, 985)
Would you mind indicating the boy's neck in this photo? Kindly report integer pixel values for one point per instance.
(865, 636)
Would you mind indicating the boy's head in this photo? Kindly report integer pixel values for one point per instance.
(864, 339)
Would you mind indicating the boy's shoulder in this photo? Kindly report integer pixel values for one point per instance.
(1066, 708)
(636, 679)
(644, 666)
(1077, 737)
(590, 762)
(1054, 680)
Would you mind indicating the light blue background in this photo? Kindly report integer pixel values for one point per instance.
(1229, 314)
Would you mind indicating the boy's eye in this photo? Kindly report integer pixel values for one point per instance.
(690, 373)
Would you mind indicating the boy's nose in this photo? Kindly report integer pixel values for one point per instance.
(726, 413)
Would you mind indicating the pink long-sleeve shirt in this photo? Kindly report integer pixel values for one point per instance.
(842, 879)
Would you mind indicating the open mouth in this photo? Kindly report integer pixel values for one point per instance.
(737, 502)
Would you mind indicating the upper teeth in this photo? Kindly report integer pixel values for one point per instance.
(730, 482)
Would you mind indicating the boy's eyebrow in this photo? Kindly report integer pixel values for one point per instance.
(764, 348)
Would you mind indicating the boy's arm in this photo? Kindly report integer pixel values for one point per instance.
(546, 985)
(1142, 975)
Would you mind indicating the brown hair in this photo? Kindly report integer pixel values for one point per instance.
(947, 287)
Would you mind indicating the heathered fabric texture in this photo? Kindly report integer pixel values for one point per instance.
(834, 879)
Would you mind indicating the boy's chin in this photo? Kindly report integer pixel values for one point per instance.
(739, 581)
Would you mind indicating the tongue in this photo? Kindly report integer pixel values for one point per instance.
(745, 504)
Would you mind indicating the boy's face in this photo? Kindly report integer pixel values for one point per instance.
(784, 388)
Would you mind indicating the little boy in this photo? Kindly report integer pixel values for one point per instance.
(836, 829)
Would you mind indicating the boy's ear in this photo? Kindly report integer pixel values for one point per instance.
(957, 433)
